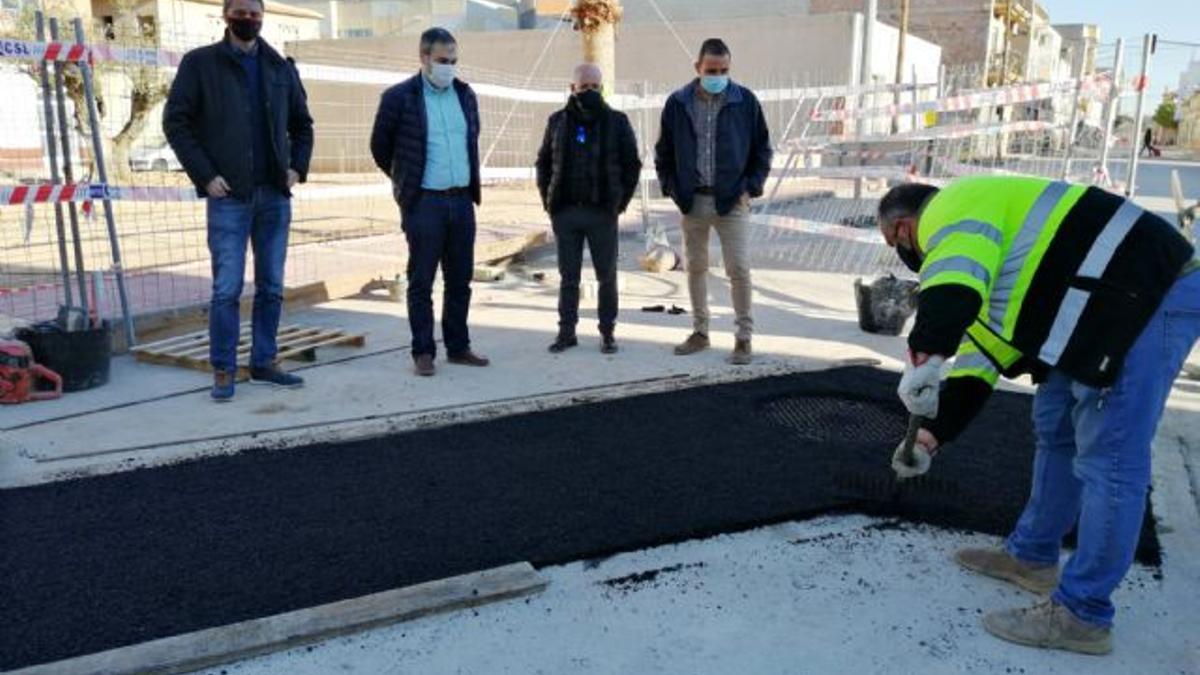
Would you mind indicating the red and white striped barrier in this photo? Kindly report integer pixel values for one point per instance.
(951, 132)
(71, 52)
(147, 56)
(43, 51)
(1022, 93)
(46, 193)
(43, 194)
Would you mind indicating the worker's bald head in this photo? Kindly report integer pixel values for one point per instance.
(587, 76)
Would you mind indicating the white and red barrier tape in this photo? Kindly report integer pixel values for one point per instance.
(953, 131)
(42, 51)
(1022, 93)
(46, 193)
(146, 56)
(71, 52)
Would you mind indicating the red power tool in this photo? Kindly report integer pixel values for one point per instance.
(19, 374)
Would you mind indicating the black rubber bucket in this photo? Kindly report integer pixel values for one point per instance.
(80, 357)
(884, 306)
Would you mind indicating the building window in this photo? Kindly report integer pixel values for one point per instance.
(357, 33)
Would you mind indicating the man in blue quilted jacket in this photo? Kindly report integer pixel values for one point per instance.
(426, 139)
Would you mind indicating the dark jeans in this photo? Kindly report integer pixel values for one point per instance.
(440, 230)
(573, 226)
(263, 220)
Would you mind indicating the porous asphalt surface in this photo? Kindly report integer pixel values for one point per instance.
(102, 562)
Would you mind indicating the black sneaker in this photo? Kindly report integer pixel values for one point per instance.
(562, 343)
(608, 344)
(275, 377)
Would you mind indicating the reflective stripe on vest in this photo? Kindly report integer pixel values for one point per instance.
(991, 344)
(969, 362)
(960, 264)
(986, 230)
(1093, 267)
(1018, 255)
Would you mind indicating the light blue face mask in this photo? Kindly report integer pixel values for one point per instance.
(714, 84)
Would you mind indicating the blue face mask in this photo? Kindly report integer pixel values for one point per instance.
(714, 84)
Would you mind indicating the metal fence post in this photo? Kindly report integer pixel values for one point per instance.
(1134, 145)
(1070, 140)
(52, 150)
(64, 131)
(1110, 115)
(85, 69)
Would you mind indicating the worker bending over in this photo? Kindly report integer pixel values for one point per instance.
(1099, 301)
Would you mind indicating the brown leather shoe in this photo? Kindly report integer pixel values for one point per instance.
(424, 365)
(468, 358)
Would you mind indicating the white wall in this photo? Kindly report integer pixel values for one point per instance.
(185, 25)
(1189, 80)
(642, 11)
(21, 124)
(921, 55)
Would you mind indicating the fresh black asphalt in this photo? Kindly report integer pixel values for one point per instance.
(98, 563)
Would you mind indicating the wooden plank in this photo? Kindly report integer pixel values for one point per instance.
(334, 340)
(294, 339)
(200, 350)
(215, 646)
(202, 335)
(300, 337)
(172, 342)
(162, 359)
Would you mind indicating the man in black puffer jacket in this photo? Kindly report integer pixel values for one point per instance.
(587, 171)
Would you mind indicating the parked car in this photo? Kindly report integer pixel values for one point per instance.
(154, 159)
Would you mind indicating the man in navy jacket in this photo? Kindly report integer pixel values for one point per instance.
(712, 156)
(238, 121)
(426, 139)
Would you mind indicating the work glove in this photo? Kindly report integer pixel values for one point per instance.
(922, 460)
(919, 387)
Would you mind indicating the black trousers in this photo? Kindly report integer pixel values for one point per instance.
(574, 226)
(440, 230)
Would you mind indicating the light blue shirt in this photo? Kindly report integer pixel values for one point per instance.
(447, 164)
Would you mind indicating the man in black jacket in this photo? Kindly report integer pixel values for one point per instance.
(712, 157)
(238, 121)
(587, 171)
(426, 139)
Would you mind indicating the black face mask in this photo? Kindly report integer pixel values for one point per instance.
(910, 258)
(246, 30)
(590, 100)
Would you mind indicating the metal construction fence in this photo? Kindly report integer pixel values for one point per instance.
(838, 147)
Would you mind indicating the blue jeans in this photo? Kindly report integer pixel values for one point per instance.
(262, 220)
(440, 230)
(1093, 460)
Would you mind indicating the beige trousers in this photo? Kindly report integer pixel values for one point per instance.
(733, 231)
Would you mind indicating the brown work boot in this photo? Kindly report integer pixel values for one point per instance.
(696, 342)
(1049, 625)
(999, 564)
(424, 365)
(741, 355)
(468, 358)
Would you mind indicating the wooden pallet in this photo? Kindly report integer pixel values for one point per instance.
(294, 342)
